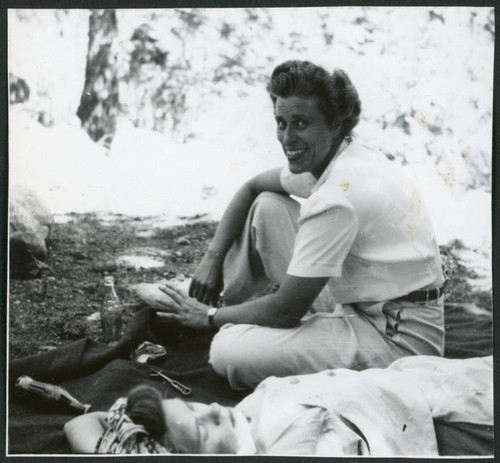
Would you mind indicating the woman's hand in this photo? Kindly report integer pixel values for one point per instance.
(207, 282)
(185, 310)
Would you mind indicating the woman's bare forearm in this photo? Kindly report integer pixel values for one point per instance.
(207, 282)
(232, 223)
(84, 431)
(236, 213)
(283, 309)
(264, 311)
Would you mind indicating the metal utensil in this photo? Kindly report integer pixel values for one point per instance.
(184, 390)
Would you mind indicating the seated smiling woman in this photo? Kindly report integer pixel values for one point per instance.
(357, 263)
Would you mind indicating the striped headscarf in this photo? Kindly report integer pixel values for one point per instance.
(123, 436)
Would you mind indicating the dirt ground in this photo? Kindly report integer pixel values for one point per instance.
(54, 309)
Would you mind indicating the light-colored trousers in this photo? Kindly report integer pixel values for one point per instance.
(355, 336)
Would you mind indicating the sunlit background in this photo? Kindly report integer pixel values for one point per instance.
(190, 120)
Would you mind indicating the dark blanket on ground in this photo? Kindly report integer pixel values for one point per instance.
(98, 374)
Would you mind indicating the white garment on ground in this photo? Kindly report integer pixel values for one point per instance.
(457, 390)
(378, 412)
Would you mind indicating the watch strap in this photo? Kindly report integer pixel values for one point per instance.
(211, 314)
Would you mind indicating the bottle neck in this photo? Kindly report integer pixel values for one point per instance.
(110, 292)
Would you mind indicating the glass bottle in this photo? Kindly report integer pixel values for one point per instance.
(48, 396)
(111, 315)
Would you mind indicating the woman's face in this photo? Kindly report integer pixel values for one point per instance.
(307, 139)
(200, 428)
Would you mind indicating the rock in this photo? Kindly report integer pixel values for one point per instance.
(139, 262)
(183, 241)
(151, 295)
(30, 223)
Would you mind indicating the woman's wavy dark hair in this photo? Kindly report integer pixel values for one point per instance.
(338, 98)
(144, 406)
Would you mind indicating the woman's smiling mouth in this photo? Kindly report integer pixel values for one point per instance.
(293, 155)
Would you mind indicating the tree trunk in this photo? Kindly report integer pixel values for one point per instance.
(99, 104)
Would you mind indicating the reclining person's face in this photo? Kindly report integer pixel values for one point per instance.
(199, 428)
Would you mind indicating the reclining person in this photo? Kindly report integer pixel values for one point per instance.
(378, 412)
(359, 256)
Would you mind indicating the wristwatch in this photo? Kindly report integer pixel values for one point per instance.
(210, 314)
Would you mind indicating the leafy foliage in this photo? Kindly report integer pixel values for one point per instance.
(424, 74)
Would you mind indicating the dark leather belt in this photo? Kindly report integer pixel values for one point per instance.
(423, 295)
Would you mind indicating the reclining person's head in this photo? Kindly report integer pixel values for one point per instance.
(189, 427)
